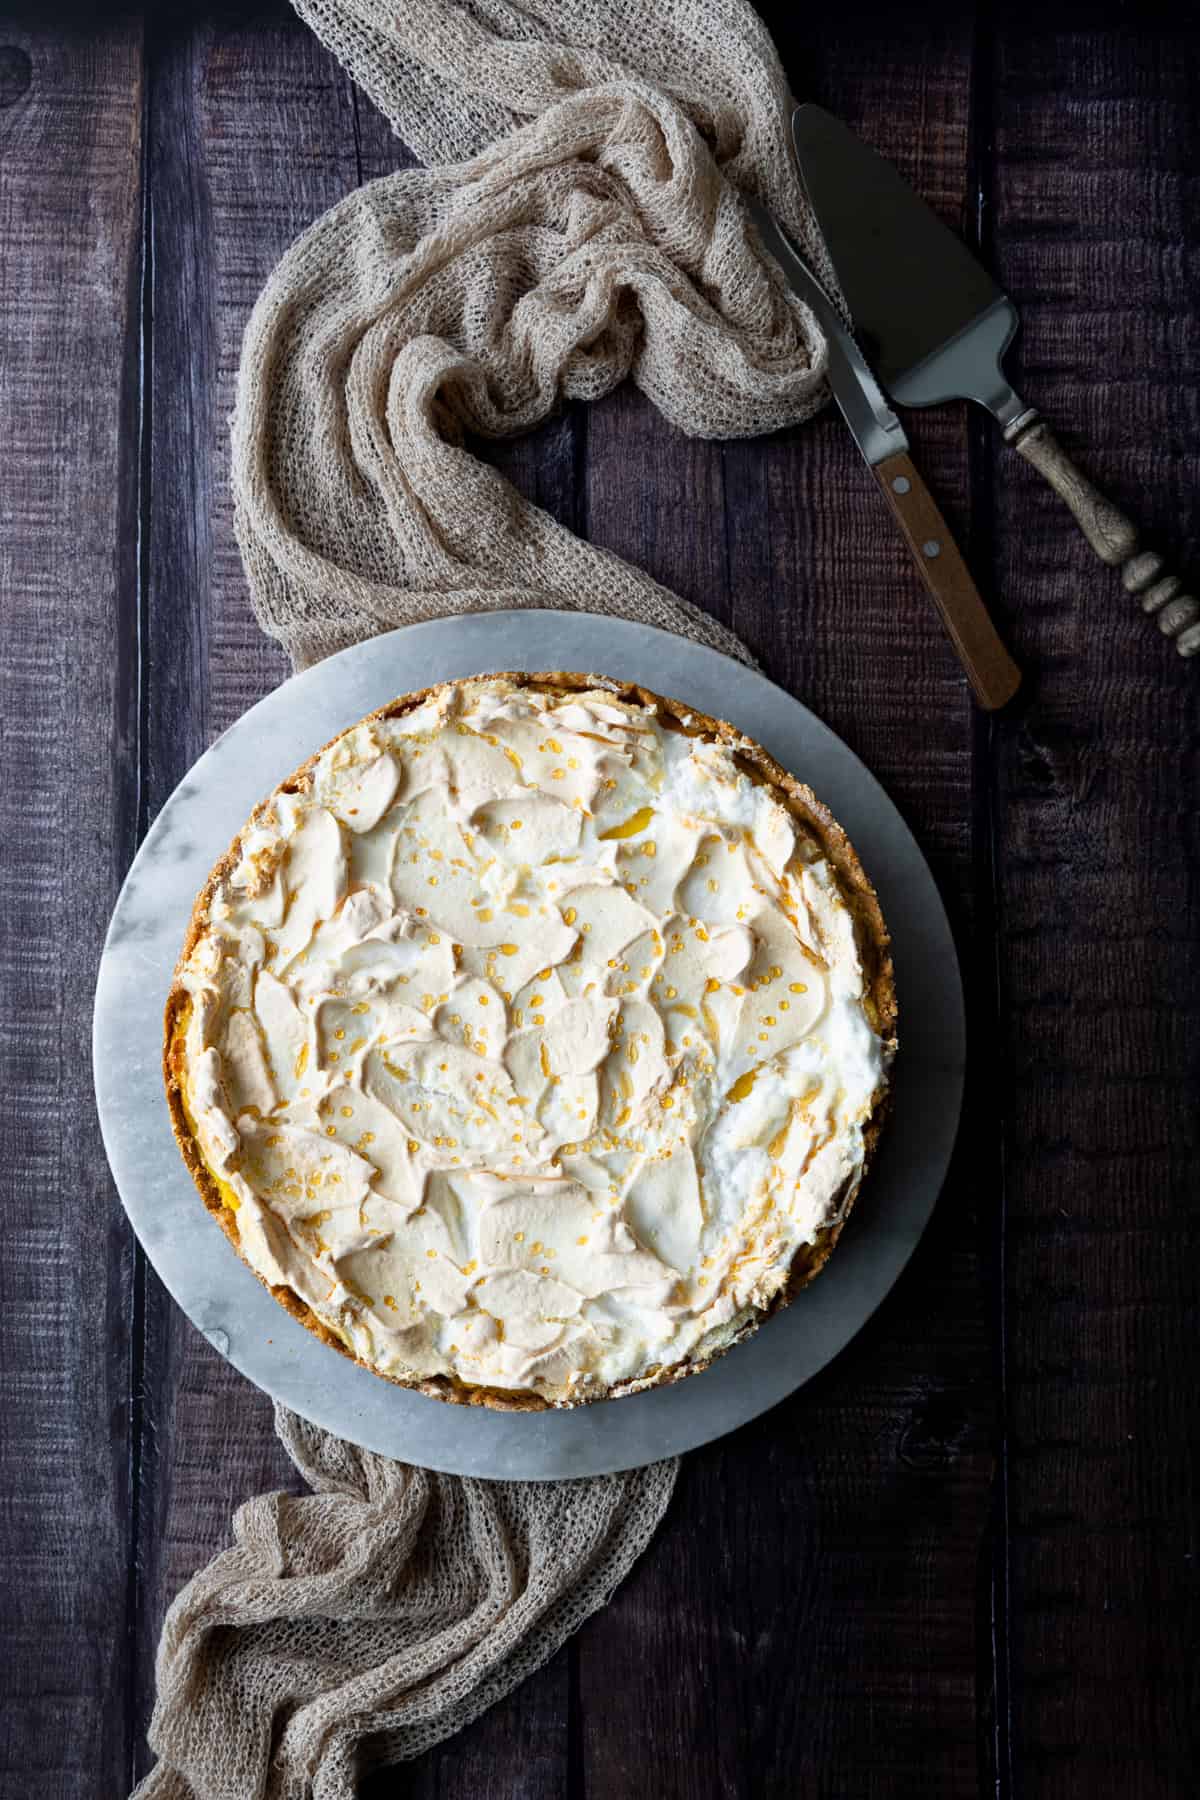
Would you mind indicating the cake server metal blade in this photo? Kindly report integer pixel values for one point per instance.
(930, 319)
(935, 327)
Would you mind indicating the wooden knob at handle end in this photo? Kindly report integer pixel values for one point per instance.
(1176, 614)
(1112, 536)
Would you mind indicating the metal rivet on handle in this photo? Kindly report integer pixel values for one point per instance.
(901, 484)
(932, 548)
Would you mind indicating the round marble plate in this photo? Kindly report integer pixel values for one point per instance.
(238, 1315)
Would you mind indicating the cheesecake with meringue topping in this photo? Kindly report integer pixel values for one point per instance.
(532, 1041)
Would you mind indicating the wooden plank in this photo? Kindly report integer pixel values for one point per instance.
(1098, 228)
(251, 138)
(70, 127)
(808, 1620)
(264, 98)
(523, 1744)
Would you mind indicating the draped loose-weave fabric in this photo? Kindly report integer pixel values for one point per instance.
(589, 227)
(362, 1623)
(604, 236)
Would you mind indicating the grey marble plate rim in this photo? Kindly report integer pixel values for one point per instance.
(237, 1314)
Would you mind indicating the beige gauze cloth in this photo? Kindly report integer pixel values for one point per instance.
(581, 221)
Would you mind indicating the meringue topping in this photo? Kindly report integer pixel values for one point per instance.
(528, 1040)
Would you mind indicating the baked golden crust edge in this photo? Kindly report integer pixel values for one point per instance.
(873, 944)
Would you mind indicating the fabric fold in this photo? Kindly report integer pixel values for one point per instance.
(604, 237)
(362, 1623)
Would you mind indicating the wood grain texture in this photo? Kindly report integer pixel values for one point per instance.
(224, 100)
(807, 1621)
(250, 138)
(842, 1601)
(70, 110)
(525, 1743)
(1097, 226)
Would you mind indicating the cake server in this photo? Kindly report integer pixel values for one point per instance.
(877, 431)
(935, 327)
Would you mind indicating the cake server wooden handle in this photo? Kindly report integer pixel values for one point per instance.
(1112, 536)
(993, 674)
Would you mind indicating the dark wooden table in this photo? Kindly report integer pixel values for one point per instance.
(963, 1560)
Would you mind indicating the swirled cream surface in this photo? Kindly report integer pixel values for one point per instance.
(528, 1042)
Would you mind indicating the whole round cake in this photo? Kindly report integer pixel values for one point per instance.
(532, 1041)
